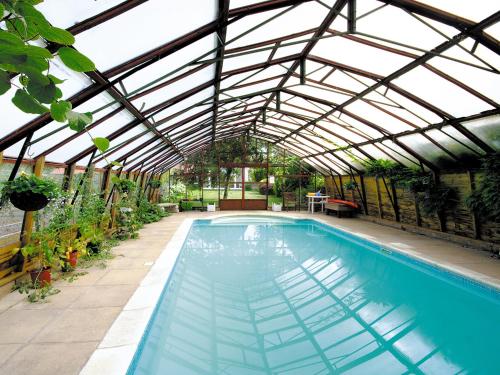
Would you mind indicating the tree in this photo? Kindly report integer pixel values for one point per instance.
(205, 163)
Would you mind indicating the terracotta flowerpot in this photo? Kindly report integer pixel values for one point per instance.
(73, 258)
(42, 276)
(28, 201)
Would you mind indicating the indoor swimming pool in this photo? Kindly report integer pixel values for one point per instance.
(250, 295)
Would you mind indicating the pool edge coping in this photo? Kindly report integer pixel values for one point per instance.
(116, 351)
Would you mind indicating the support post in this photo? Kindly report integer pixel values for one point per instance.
(363, 193)
(351, 16)
(475, 220)
(302, 71)
(243, 187)
(267, 176)
(440, 215)
(342, 194)
(379, 199)
(106, 183)
(418, 218)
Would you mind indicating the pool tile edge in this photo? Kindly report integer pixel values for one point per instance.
(117, 349)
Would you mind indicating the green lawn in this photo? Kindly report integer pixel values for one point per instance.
(211, 195)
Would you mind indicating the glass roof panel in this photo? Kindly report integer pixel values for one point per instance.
(359, 56)
(472, 10)
(161, 21)
(484, 82)
(301, 17)
(487, 129)
(84, 141)
(66, 13)
(441, 93)
(410, 31)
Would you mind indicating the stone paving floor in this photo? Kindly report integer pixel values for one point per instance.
(59, 336)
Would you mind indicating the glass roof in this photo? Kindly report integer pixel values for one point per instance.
(334, 82)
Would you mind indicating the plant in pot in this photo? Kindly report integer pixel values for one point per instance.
(123, 185)
(28, 192)
(41, 250)
(350, 185)
(69, 255)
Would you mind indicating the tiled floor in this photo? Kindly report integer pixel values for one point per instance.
(58, 337)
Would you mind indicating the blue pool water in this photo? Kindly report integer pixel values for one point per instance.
(253, 296)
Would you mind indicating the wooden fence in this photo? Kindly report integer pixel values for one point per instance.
(382, 200)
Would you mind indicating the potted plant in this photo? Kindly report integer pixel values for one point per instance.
(350, 185)
(69, 255)
(123, 185)
(42, 251)
(28, 192)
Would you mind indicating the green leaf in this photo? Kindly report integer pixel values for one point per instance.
(10, 39)
(4, 82)
(55, 79)
(2, 10)
(34, 51)
(59, 93)
(23, 80)
(18, 26)
(43, 93)
(75, 60)
(27, 103)
(29, 12)
(59, 110)
(56, 35)
(116, 164)
(78, 121)
(102, 144)
(33, 64)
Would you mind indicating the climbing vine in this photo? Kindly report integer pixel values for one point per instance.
(431, 196)
(29, 45)
(485, 200)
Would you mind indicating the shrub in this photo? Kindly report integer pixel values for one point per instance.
(485, 200)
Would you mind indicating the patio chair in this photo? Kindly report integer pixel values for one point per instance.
(290, 200)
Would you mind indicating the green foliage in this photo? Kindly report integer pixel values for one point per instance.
(485, 199)
(75, 60)
(78, 121)
(91, 221)
(186, 206)
(432, 197)
(123, 185)
(59, 110)
(380, 167)
(25, 36)
(148, 212)
(154, 184)
(350, 185)
(436, 199)
(29, 183)
(412, 180)
(102, 144)
(35, 292)
(176, 192)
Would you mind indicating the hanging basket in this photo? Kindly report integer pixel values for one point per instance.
(29, 201)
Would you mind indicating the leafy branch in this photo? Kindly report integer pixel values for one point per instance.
(25, 37)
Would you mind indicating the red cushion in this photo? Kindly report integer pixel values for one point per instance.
(347, 203)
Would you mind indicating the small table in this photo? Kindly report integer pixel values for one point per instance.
(312, 199)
